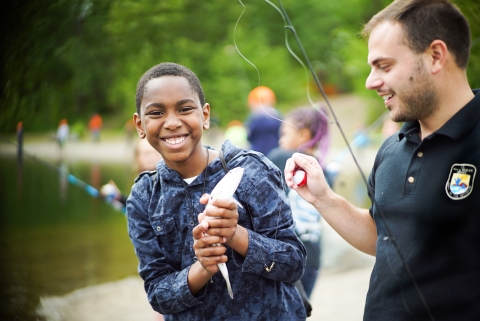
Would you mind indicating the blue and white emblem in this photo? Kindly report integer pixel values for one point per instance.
(460, 181)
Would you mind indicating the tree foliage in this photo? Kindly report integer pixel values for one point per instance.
(70, 58)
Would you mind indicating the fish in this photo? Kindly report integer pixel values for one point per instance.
(225, 189)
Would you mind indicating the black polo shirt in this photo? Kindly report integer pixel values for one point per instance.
(429, 193)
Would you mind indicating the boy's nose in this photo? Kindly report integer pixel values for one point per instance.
(172, 122)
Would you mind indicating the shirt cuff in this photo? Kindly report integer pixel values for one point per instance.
(257, 255)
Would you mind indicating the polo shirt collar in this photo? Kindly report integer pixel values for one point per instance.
(456, 127)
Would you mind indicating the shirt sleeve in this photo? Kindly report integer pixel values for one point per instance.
(166, 285)
(273, 243)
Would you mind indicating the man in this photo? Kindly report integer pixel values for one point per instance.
(423, 177)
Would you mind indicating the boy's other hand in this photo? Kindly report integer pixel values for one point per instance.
(208, 256)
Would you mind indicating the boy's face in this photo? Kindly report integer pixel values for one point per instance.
(172, 119)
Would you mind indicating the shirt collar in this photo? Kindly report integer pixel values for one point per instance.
(456, 127)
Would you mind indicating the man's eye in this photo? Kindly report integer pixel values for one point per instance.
(384, 67)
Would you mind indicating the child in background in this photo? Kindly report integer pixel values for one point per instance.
(305, 130)
(263, 255)
(145, 159)
(62, 133)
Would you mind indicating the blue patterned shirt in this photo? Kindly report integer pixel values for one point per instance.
(162, 212)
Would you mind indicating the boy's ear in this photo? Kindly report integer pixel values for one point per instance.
(137, 120)
(206, 116)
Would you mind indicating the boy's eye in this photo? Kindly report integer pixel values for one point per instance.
(155, 113)
(185, 110)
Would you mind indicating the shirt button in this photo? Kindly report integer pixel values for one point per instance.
(420, 154)
(159, 228)
(192, 223)
(411, 179)
(250, 268)
(195, 258)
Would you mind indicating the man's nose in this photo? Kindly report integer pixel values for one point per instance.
(373, 81)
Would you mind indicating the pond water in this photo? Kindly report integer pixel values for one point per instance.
(56, 238)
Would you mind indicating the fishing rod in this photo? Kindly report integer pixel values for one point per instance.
(289, 26)
(89, 189)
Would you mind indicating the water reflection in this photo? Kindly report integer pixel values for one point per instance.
(56, 238)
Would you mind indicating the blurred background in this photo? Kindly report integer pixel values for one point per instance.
(64, 250)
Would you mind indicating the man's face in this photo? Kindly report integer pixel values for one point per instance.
(400, 76)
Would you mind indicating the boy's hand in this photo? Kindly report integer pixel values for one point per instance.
(223, 218)
(208, 256)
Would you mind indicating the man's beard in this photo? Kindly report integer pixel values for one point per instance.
(419, 96)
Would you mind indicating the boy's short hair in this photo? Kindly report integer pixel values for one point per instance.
(168, 69)
(425, 21)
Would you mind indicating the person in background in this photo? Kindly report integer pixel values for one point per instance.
(237, 134)
(62, 133)
(145, 159)
(423, 224)
(263, 121)
(95, 126)
(173, 243)
(19, 134)
(129, 130)
(305, 130)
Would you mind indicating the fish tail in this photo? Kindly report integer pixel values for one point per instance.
(223, 269)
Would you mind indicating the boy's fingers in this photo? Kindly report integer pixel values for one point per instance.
(224, 203)
(201, 216)
(204, 198)
(198, 230)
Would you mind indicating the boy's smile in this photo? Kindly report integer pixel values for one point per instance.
(173, 121)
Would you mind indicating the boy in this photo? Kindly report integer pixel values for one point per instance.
(263, 255)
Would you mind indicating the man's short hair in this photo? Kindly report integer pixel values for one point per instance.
(168, 69)
(425, 21)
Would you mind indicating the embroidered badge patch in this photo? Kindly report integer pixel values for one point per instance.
(460, 181)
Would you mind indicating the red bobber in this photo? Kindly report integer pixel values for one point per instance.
(300, 177)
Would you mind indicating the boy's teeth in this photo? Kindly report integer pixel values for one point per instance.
(177, 140)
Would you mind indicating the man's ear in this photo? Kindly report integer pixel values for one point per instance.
(206, 116)
(438, 51)
(137, 120)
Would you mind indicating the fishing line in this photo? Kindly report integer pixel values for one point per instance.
(287, 44)
(90, 190)
(258, 75)
(267, 268)
(389, 233)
